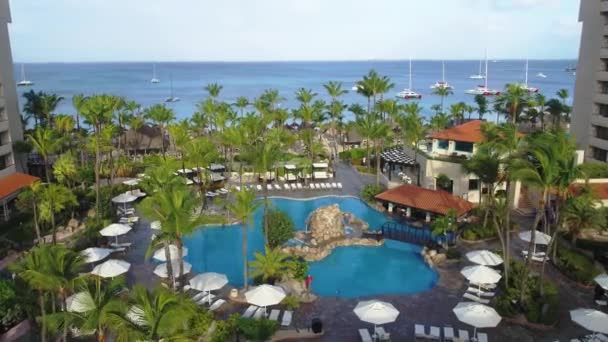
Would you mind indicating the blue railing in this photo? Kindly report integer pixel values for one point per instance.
(406, 233)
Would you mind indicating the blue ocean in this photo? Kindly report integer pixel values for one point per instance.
(187, 79)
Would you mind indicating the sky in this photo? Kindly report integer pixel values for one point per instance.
(283, 30)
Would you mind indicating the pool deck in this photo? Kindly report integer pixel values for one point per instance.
(433, 307)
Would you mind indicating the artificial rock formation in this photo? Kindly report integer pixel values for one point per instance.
(431, 257)
(317, 253)
(326, 223)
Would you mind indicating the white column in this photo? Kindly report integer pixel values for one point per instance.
(390, 207)
(428, 217)
(408, 212)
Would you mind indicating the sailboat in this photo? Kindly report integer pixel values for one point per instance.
(24, 82)
(408, 93)
(525, 86)
(541, 75)
(442, 84)
(171, 98)
(478, 76)
(483, 89)
(154, 79)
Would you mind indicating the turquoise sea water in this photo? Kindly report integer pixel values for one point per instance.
(395, 268)
(132, 80)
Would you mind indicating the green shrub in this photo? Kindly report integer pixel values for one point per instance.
(257, 329)
(595, 170)
(453, 254)
(225, 329)
(291, 302)
(280, 228)
(370, 191)
(11, 310)
(576, 266)
(365, 169)
(354, 155)
(476, 231)
(298, 268)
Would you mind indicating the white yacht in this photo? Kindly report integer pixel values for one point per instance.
(154, 79)
(525, 85)
(479, 75)
(171, 98)
(483, 89)
(541, 75)
(443, 83)
(24, 82)
(408, 93)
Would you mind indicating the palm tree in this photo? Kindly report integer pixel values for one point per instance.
(444, 225)
(365, 126)
(457, 111)
(48, 103)
(556, 111)
(242, 208)
(54, 198)
(201, 152)
(541, 103)
(214, 90)
(379, 133)
(305, 96)
(241, 103)
(485, 164)
(581, 213)
(155, 315)
(21, 149)
(46, 142)
(180, 136)
(482, 106)
(161, 116)
(124, 116)
(65, 169)
(78, 101)
(413, 129)
(269, 266)
(439, 121)
(442, 92)
(512, 101)
(334, 89)
(33, 106)
(28, 199)
(64, 124)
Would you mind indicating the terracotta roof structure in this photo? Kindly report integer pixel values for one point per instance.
(466, 132)
(598, 189)
(435, 201)
(15, 182)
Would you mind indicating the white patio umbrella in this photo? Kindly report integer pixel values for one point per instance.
(208, 282)
(602, 280)
(111, 268)
(481, 275)
(590, 319)
(265, 295)
(540, 238)
(124, 198)
(159, 254)
(94, 254)
(161, 270)
(484, 257)
(376, 312)
(477, 315)
(155, 225)
(79, 302)
(115, 229)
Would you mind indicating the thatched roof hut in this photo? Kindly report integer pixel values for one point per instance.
(145, 139)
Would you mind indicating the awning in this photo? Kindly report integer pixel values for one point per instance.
(397, 155)
(15, 182)
(435, 201)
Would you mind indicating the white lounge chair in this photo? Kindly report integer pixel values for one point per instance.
(328, 185)
(208, 298)
(538, 254)
(259, 187)
(286, 321)
(339, 185)
(483, 286)
(475, 298)
(463, 335)
(269, 187)
(419, 331)
(448, 333)
(480, 293)
(119, 249)
(322, 185)
(313, 186)
(238, 188)
(482, 337)
(435, 333)
(601, 302)
(250, 311)
(293, 186)
(259, 313)
(277, 186)
(274, 315)
(365, 336)
(216, 305)
(334, 185)
(198, 296)
(120, 245)
(382, 335)
(299, 186)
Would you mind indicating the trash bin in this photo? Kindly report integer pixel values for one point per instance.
(316, 325)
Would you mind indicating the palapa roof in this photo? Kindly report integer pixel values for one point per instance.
(435, 201)
(15, 182)
(466, 132)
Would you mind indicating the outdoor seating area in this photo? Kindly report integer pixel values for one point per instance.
(292, 186)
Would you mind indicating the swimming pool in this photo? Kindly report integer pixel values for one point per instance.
(219, 249)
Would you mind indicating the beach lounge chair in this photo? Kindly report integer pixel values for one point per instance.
(365, 336)
(119, 249)
(274, 315)
(328, 185)
(480, 293)
(269, 187)
(322, 185)
(382, 335)
(211, 194)
(259, 313)
(216, 305)
(120, 245)
(238, 188)
(334, 185)
(419, 331)
(286, 321)
(299, 186)
(312, 186)
(339, 185)
(537, 254)
(286, 186)
(208, 298)
(482, 337)
(483, 286)
(259, 187)
(250, 311)
(435, 333)
(463, 335)
(277, 186)
(475, 298)
(601, 302)
(448, 334)
(198, 296)
(294, 187)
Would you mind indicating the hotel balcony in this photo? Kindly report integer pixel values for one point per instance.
(603, 6)
(602, 76)
(604, 52)
(601, 98)
(599, 120)
(5, 149)
(597, 142)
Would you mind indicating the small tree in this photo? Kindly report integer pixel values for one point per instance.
(444, 225)
(280, 228)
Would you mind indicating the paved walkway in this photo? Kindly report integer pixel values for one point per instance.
(433, 307)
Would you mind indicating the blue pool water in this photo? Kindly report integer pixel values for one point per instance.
(347, 272)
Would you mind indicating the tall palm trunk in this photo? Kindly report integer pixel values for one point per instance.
(43, 316)
(97, 180)
(377, 145)
(46, 168)
(53, 221)
(180, 257)
(36, 226)
(245, 275)
(169, 266)
(264, 184)
(162, 141)
(538, 216)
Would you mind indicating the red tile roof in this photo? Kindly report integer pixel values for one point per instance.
(599, 189)
(435, 201)
(15, 182)
(466, 132)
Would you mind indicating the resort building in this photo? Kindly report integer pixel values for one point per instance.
(590, 114)
(11, 181)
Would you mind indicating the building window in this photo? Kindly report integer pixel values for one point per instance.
(461, 146)
(3, 162)
(473, 184)
(443, 144)
(599, 154)
(604, 87)
(603, 110)
(5, 138)
(601, 132)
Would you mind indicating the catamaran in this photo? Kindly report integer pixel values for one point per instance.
(408, 93)
(483, 89)
(24, 82)
(171, 98)
(443, 84)
(478, 76)
(524, 85)
(154, 79)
